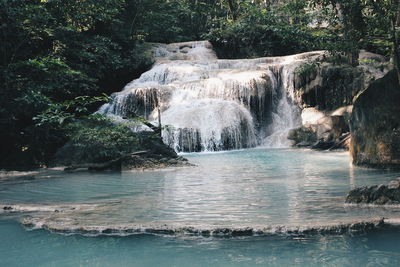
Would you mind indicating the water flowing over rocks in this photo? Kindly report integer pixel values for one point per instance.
(132, 229)
(17, 175)
(377, 194)
(207, 104)
(71, 219)
(210, 104)
(375, 124)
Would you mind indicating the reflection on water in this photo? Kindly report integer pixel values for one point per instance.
(250, 188)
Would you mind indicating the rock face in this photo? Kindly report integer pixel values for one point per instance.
(322, 130)
(375, 124)
(330, 86)
(378, 194)
(325, 92)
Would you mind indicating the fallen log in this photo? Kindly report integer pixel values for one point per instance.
(336, 145)
(111, 164)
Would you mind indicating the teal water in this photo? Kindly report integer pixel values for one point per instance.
(257, 189)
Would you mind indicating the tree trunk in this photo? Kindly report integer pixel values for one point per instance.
(112, 164)
(232, 9)
(149, 124)
(396, 23)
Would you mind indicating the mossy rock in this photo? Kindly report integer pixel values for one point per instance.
(375, 124)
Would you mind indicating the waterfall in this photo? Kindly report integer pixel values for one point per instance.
(210, 104)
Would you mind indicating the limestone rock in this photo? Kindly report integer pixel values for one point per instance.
(331, 86)
(322, 130)
(302, 136)
(377, 194)
(375, 124)
(310, 116)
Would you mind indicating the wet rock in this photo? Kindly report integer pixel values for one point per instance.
(376, 194)
(173, 161)
(323, 145)
(331, 86)
(182, 158)
(310, 116)
(321, 130)
(302, 136)
(163, 160)
(17, 175)
(149, 162)
(375, 124)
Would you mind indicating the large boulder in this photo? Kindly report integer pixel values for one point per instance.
(329, 86)
(322, 130)
(375, 124)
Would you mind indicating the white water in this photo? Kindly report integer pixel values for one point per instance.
(209, 104)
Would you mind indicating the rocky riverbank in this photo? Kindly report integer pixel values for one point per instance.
(352, 108)
(157, 155)
(388, 194)
(101, 144)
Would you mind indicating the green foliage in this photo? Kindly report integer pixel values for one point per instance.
(67, 111)
(51, 77)
(362, 24)
(259, 32)
(56, 58)
(97, 139)
(307, 68)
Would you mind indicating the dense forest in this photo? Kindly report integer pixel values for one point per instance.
(61, 59)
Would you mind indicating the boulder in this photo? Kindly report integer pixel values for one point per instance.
(322, 130)
(375, 124)
(310, 116)
(344, 111)
(377, 194)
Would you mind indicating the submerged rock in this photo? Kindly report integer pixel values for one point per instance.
(375, 124)
(376, 194)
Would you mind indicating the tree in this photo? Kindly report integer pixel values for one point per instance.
(386, 17)
(367, 23)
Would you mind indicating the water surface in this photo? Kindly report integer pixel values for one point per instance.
(258, 188)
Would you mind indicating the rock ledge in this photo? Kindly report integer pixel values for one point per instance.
(388, 194)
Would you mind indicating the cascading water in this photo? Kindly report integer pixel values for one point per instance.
(209, 104)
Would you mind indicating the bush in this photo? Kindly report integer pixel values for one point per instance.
(97, 139)
(257, 34)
